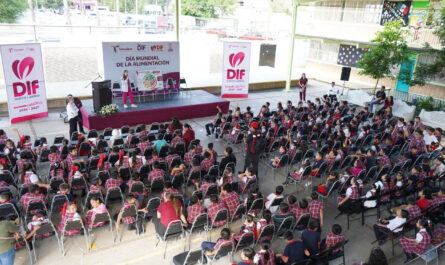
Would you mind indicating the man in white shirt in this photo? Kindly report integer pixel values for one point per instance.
(393, 225)
(429, 137)
(72, 111)
(333, 92)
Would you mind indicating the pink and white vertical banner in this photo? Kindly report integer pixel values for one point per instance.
(236, 69)
(25, 81)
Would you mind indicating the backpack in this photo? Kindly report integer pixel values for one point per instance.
(260, 145)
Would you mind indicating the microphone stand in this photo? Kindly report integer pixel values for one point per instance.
(97, 77)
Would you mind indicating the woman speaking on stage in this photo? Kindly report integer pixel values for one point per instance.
(126, 90)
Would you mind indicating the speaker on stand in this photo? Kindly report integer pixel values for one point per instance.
(101, 94)
(345, 74)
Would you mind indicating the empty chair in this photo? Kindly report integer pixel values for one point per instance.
(174, 229)
(114, 195)
(189, 257)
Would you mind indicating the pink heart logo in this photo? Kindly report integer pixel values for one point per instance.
(236, 59)
(23, 68)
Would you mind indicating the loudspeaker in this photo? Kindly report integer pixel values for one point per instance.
(345, 73)
(101, 94)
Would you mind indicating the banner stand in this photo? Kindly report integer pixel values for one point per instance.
(236, 69)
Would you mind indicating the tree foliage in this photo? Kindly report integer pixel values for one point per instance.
(11, 10)
(207, 8)
(425, 72)
(390, 50)
(54, 4)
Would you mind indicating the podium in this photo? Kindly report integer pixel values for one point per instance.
(101, 94)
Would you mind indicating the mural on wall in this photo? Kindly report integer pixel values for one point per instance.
(395, 11)
(350, 55)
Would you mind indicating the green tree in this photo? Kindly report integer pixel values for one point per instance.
(390, 50)
(207, 8)
(11, 10)
(425, 72)
(54, 4)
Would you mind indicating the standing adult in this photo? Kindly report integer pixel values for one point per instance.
(79, 105)
(8, 235)
(302, 87)
(174, 125)
(126, 90)
(380, 97)
(255, 145)
(72, 111)
(189, 134)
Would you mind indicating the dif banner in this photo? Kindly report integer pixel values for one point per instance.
(137, 57)
(25, 81)
(236, 68)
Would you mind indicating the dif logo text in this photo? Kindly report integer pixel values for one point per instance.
(22, 69)
(235, 60)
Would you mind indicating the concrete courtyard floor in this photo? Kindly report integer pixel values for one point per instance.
(142, 250)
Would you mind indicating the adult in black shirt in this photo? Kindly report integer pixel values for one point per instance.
(228, 158)
(252, 155)
(380, 97)
(295, 251)
(79, 105)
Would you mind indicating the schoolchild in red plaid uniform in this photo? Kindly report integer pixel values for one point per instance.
(76, 174)
(144, 144)
(38, 220)
(3, 137)
(124, 160)
(352, 194)
(205, 186)
(53, 157)
(189, 155)
(195, 168)
(156, 173)
(69, 213)
(131, 220)
(114, 181)
(33, 195)
(248, 226)
(333, 238)
(210, 248)
(155, 157)
(265, 256)
(293, 204)
(213, 209)
(136, 160)
(198, 147)
(416, 140)
(265, 220)
(246, 177)
(302, 209)
(438, 235)
(207, 162)
(178, 139)
(26, 175)
(439, 198)
(97, 207)
(384, 189)
(229, 198)
(418, 245)
(384, 159)
(70, 158)
(129, 137)
(233, 136)
(194, 209)
(144, 132)
(135, 179)
(96, 186)
(168, 187)
(171, 155)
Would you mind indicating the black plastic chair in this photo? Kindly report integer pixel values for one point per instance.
(174, 229)
(200, 224)
(189, 257)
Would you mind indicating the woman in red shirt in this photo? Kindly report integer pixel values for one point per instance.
(169, 210)
(189, 134)
(174, 125)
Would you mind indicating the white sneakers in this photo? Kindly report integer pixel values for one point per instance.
(134, 106)
(125, 106)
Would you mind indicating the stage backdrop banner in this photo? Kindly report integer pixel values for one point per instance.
(236, 68)
(149, 80)
(25, 81)
(139, 57)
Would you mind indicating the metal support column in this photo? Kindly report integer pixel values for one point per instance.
(292, 43)
(177, 14)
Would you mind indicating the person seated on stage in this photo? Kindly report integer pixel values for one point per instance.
(248, 226)
(159, 143)
(210, 248)
(177, 139)
(275, 195)
(333, 239)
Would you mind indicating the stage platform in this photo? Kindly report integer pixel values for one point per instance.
(185, 105)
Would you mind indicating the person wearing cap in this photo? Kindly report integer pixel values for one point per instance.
(73, 112)
(252, 154)
(79, 105)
